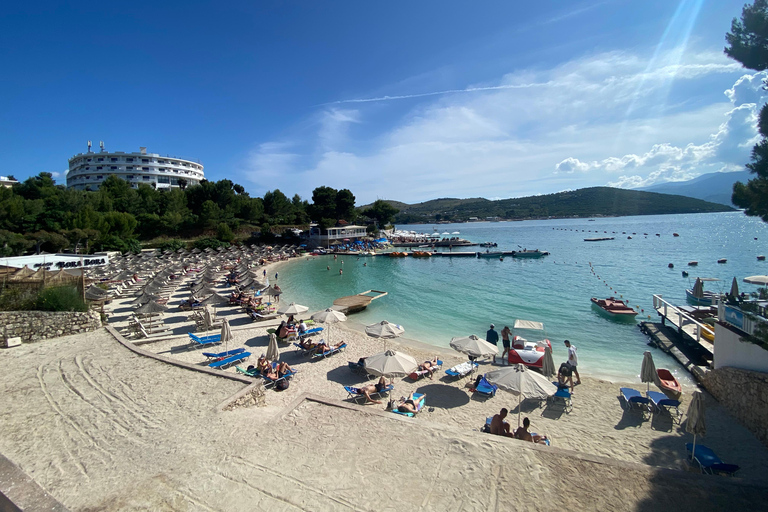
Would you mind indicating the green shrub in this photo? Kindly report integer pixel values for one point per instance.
(60, 298)
(17, 299)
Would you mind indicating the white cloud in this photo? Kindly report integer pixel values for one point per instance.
(583, 123)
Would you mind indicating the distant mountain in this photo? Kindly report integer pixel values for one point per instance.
(586, 202)
(715, 187)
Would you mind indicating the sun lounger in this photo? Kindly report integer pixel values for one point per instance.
(562, 397)
(419, 399)
(660, 402)
(223, 355)
(253, 372)
(461, 370)
(213, 339)
(635, 401)
(355, 394)
(420, 373)
(311, 332)
(328, 353)
(485, 388)
(709, 462)
(258, 317)
(242, 356)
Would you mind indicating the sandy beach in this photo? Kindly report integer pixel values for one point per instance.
(100, 427)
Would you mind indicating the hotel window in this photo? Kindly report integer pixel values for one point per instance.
(114, 167)
(129, 168)
(129, 177)
(145, 160)
(163, 179)
(145, 178)
(90, 159)
(98, 168)
(100, 160)
(161, 161)
(145, 168)
(99, 177)
(113, 159)
(129, 159)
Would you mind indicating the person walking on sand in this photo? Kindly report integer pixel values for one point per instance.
(492, 337)
(573, 360)
(276, 273)
(505, 333)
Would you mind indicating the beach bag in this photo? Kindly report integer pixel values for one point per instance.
(282, 385)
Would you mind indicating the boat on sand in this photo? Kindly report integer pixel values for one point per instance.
(668, 383)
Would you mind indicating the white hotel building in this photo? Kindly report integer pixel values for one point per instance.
(88, 170)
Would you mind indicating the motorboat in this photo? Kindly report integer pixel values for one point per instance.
(488, 244)
(490, 254)
(613, 307)
(528, 350)
(668, 383)
(421, 254)
(698, 296)
(398, 254)
(525, 253)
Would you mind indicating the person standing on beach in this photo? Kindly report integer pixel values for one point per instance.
(492, 337)
(505, 332)
(573, 360)
(276, 276)
(264, 273)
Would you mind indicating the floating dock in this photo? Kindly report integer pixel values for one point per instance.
(356, 303)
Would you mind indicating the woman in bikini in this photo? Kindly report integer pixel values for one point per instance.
(410, 405)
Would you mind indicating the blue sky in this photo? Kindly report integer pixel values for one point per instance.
(395, 100)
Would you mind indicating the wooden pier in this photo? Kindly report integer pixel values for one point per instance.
(687, 327)
(355, 303)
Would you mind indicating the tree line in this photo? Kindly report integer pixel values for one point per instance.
(39, 215)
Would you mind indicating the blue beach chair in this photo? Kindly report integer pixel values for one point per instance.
(660, 402)
(485, 388)
(635, 401)
(328, 353)
(223, 355)
(461, 370)
(223, 363)
(562, 397)
(709, 462)
(419, 399)
(202, 341)
(420, 373)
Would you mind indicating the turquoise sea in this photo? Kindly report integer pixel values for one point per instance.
(438, 298)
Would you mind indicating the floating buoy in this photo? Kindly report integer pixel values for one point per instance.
(675, 234)
(761, 258)
(693, 263)
(671, 265)
(722, 260)
(629, 238)
(658, 234)
(685, 274)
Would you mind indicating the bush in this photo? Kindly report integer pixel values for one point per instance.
(213, 243)
(18, 299)
(60, 298)
(173, 245)
(224, 232)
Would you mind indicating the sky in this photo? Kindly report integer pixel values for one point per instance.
(408, 101)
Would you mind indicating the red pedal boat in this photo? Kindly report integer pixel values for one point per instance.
(668, 384)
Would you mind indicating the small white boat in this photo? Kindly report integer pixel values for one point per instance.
(526, 351)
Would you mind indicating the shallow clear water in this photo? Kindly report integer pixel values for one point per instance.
(438, 298)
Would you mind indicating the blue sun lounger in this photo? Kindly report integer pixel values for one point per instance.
(461, 370)
(563, 396)
(242, 356)
(634, 400)
(420, 373)
(223, 355)
(202, 341)
(660, 402)
(328, 353)
(419, 399)
(709, 462)
(355, 394)
(311, 332)
(268, 383)
(485, 388)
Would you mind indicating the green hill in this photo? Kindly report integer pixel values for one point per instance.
(586, 202)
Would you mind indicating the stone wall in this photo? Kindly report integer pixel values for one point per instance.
(32, 326)
(745, 394)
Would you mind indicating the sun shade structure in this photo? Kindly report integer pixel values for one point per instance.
(390, 364)
(384, 329)
(648, 369)
(696, 424)
(329, 316)
(761, 280)
(548, 365)
(292, 309)
(522, 382)
(474, 346)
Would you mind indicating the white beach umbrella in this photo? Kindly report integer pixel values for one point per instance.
(696, 424)
(207, 317)
(390, 364)
(521, 382)
(273, 352)
(384, 329)
(292, 309)
(474, 346)
(548, 364)
(698, 289)
(329, 316)
(648, 370)
(761, 280)
(226, 334)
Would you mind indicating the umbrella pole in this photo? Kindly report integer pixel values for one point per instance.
(693, 449)
(519, 408)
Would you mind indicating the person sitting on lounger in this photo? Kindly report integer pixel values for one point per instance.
(284, 330)
(429, 367)
(523, 434)
(409, 405)
(499, 426)
(302, 328)
(373, 388)
(262, 365)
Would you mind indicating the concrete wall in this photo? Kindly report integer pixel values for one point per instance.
(33, 326)
(745, 394)
(730, 352)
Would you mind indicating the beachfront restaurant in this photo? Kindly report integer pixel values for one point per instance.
(336, 235)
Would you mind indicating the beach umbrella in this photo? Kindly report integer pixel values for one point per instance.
(271, 291)
(273, 352)
(390, 364)
(214, 299)
(384, 329)
(456, 233)
(150, 308)
(207, 317)
(698, 289)
(329, 316)
(548, 365)
(734, 288)
(474, 346)
(292, 309)
(226, 334)
(523, 383)
(762, 280)
(648, 370)
(696, 424)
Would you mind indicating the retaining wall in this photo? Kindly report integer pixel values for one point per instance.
(32, 326)
(745, 394)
